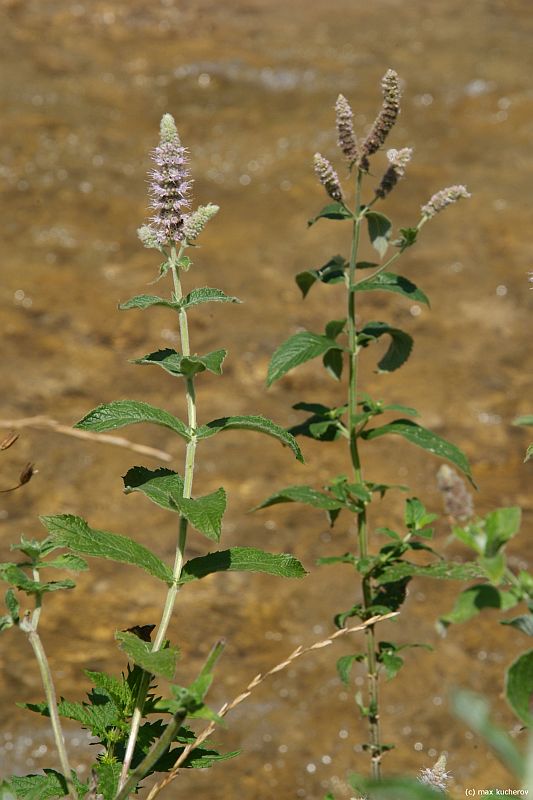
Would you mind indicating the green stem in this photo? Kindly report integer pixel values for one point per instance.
(159, 749)
(362, 531)
(182, 534)
(29, 626)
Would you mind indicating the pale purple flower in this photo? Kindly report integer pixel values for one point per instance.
(444, 198)
(458, 501)
(398, 160)
(346, 137)
(328, 177)
(386, 118)
(170, 185)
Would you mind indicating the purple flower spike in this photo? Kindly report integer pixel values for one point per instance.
(170, 185)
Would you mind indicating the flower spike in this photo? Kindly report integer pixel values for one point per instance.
(328, 177)
(170, 185)
(384, 120)
(346, 137)
(444, 198)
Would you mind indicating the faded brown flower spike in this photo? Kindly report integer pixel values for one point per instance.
(384, 120)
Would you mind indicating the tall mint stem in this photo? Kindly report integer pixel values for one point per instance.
(29, 626)
(362, 531)
(182, 533)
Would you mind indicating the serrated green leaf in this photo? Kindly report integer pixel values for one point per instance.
(13, 575)
(301, 494)
(243, 559)
(118, 690)
(296, 350)
(391, 282)
(204, 513)
(64, 561)
(522, 623)
(108, 778)
(143, 301)
(74, 533)
(332, 272)
(500, 526)
(250, 423)
(333, 362)
(165, 488)
(379, 231)
(444, 570)
(399, 349)
(39, 787)
(494, 567)
(392, 664)
(425, 439)
(206, 295)
(119, 413)
(519, 687)
(474, 711)
(161, 662)
(345, 664)
(471, 601)
(12, 604)
(160, 485)
(332, 211)
(176, 364)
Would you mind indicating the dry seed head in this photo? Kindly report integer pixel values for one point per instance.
(328, 177)
(398, 160)
(436, 776)
(458, 501)
(386, 118)
(443, 198)
(346, 140)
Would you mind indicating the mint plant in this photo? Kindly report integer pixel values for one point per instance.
(139, 732)
(382, 571)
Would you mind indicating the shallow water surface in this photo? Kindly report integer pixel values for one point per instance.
(252, 86)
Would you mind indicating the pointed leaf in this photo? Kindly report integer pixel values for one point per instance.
(525, 419)
(345, 664)
(161, 662)
(471, 601)
(500, 526)
(65, 561)
(165, 488)
(379, 231)
(119, 413)
(391, 282)
(108, 778)
(39, 787)
(242, 559)
(250, 423)
(334, 362)
(176, 364)
(301, 494)
(160, 485)
(74, 533)
(143, 301)
(297, 350)
(12, 604)
(399, 349)
(204, 513)
(332, 211)
(445, 570)
(332, 272)
(425, 439)
(519, 687)
(206, 295)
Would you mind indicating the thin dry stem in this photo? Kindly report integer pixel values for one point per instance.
(52, 424)
(227, 707)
